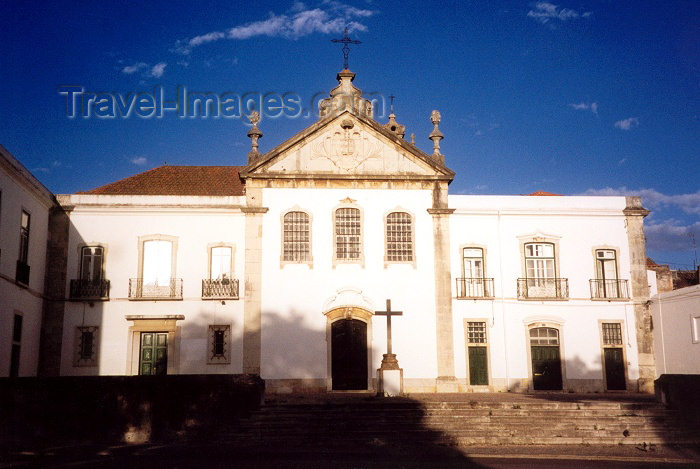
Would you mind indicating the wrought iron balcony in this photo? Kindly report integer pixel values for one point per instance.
(543, 288)
(153, 290)
(22, 273)
(219, 289)
(613, 289)
(82, 289)
(475, 287)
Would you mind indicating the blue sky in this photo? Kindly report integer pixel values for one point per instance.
(569, 97)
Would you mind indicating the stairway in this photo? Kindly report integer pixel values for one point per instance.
(463, 420)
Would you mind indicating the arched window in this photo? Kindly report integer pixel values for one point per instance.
(296, 238)
(399, 237)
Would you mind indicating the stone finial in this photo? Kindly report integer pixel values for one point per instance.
(436, 135)
(394, 127)
(254, 134)
(413, 139)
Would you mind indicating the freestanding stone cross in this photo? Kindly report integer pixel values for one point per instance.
(388, 313)
(346, 50)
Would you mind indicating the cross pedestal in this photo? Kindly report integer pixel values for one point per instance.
(389, 374)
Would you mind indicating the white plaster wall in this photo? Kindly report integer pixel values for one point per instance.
(499, 224)
(293, 325)
(676, 340)
(196, 224)
(14, 299)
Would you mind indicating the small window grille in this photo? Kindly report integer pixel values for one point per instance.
(544, 336)
(347, 233)
(86, 346)
(476, 332)
(399, 237)
(219, 344)
(612, 333)
(296, 237)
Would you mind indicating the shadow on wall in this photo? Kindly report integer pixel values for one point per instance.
(291, 349)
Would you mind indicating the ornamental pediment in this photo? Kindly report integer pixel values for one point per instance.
(348, 145)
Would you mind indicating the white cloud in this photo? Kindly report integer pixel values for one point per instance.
(651, 198)
(671, 235)
(300, 21)
(130, 69)
(593, 107)
(627, 124)
(158, 69)
(139, 160)
(545, 11)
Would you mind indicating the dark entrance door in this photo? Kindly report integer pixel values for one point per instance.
(153, 358)
(546, 367)
(478, 369)
(614, 369)
(349, 354)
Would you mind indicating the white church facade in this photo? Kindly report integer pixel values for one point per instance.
(279, 268)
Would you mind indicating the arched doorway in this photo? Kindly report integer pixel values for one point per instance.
(349, 354)
(546, 358)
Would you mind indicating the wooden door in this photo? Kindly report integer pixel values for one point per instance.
(546, 367)
(154, 353)
(614, 369)
(349, 354)
(478, 366)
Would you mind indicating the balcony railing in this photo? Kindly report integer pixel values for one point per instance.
(474, 287)
(220, 288)
(609, 289)
(81, 289)
(22, 273)
(153, 290)
(543, 288)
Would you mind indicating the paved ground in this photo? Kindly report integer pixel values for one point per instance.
(195, 455)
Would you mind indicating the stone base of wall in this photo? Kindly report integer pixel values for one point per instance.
(428, 385)
(131, 409)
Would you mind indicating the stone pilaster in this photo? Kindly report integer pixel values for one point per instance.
(252, 302)
(54, 304)
(446, 381)
(634, 219)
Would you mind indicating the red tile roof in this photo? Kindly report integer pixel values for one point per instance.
(178, 180)
(542, 193)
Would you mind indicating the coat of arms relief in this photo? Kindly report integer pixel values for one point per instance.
(347, 148)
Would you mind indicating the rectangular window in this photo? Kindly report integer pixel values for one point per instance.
(399, 237)
(91, 264)
(24, 237)
(607, 285)
(612, 333)
(219, 347)
(476, 332)
(16, 345)
(221, 263)
(157, 262)
(296, 237)
(696, 329)
(86, 339)
(539, 261)
(347, 234)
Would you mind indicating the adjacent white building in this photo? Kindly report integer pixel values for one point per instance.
(24, 216)
(676, 318)
(279, 268)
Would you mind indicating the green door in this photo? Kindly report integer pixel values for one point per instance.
(154, 353)
(614, 369)
(478, 369)
(546, 367)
